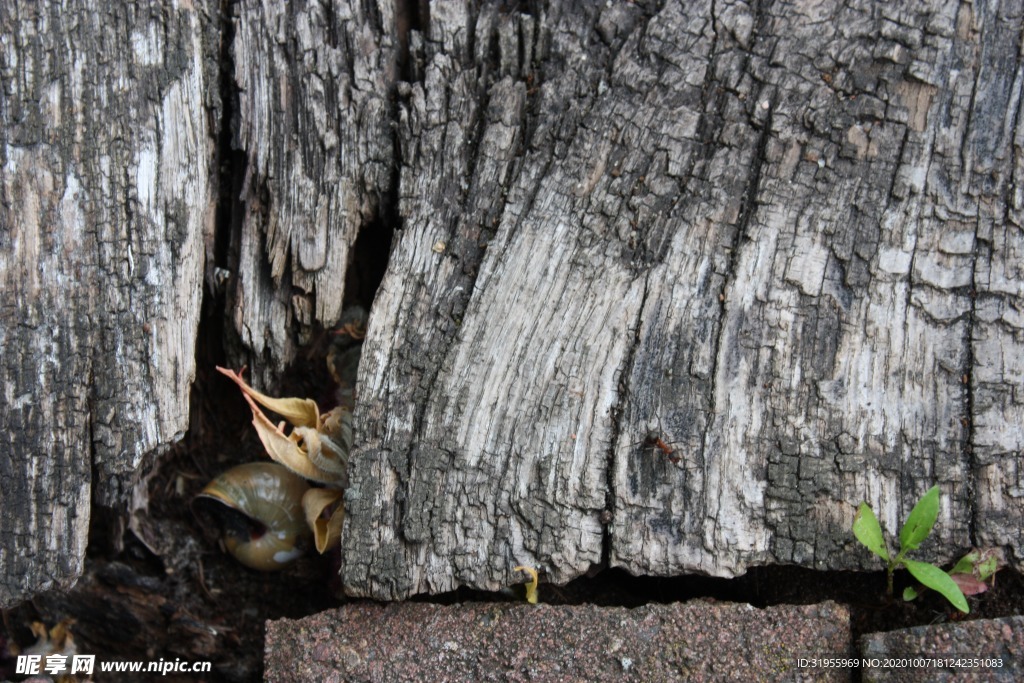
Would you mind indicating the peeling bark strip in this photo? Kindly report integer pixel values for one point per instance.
(105, 197)
(786, 239)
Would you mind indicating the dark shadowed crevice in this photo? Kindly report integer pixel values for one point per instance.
(890, 196)
(862, 592)
(369, 255)
(229, 166)
(106, 524)
(981, 250)
(410, 15)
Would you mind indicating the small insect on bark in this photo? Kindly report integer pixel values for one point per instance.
(654, 440)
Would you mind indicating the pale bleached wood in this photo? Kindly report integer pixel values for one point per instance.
(105, 199)
(784, 241)
(315, 123)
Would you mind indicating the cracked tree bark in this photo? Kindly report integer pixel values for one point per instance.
(105, 202)
(783, 238)
(315, 83)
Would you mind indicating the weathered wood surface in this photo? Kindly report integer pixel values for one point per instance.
(105, 201)
(315, 86)
(787, 238)
(784, 237)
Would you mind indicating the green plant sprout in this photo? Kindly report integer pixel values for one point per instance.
(915, 530)
(971, 574)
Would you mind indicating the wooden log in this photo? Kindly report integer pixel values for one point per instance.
(783, 240)
(106, 202)
(673, 287)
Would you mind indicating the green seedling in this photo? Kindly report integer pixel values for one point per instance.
(915, 530)
(971, 574)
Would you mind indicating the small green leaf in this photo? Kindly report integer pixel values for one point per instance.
(967, 563)
(987, 568)
(909, 594)
(921, 520)
(868, 532)
(938, 580)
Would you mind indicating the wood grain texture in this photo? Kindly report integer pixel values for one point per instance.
(105, 198)
(782, 237)
(315, 123)
(988, 177)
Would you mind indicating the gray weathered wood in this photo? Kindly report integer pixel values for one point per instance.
(314, 120)
(784, 238)
(105, 200)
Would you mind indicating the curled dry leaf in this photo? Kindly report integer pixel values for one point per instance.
(326, 529)
(301, 412)
(303, 451)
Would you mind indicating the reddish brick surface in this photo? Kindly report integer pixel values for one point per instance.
(693, 641)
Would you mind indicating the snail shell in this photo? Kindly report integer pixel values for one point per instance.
(264, 525)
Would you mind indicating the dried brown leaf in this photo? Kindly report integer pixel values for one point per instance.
(969, 584)
(326, 531)
(286, 449)
(301, 412)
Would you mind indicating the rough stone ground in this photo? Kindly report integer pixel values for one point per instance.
(986, 638)
(700, 640)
